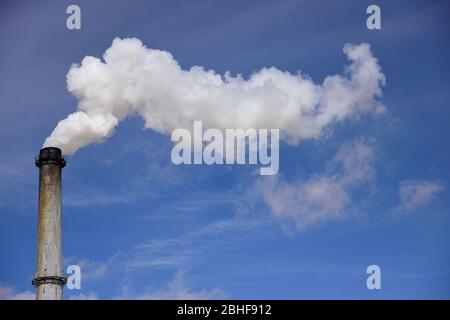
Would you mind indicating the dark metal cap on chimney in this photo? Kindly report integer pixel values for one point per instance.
(50, 155)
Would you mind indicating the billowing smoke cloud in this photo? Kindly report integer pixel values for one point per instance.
(133, 79)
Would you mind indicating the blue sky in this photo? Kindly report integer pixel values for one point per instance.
(141, 227)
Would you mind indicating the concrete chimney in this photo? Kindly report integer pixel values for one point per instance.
(49, 279)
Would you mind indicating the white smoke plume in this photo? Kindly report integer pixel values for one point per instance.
(133, 79)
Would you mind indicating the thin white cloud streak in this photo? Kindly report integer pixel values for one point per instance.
(177, 289)
(322, 196)
(85, 296)
(133, 79)
(89, 196)
(8, 292)
(415, 194)
(182, 250)
(91, 269)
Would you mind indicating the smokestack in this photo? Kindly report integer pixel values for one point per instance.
(49, 279)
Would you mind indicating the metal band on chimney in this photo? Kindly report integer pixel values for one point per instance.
(49, 279)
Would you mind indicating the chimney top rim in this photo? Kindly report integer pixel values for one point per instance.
(50, 155)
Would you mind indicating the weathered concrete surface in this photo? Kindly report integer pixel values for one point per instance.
(49, 279)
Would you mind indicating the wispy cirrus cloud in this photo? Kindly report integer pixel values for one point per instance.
(416, 194)
(180, 251)
(85, 296)
(178, 289)
(91, 269)
(322, 196)
(8, 292)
